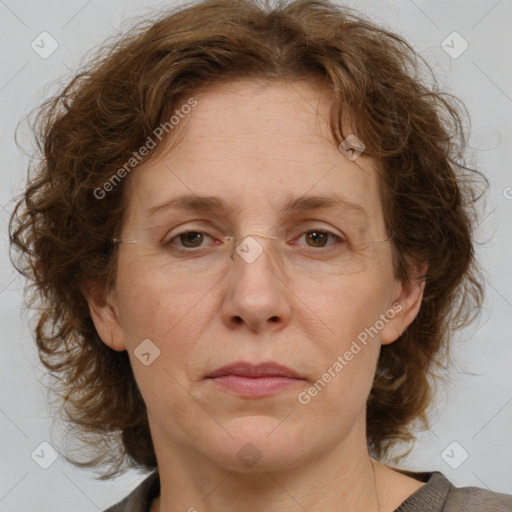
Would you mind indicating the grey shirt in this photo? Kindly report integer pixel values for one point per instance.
(437, 495)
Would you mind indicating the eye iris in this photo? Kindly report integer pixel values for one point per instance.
(317, 237)
(193, 237)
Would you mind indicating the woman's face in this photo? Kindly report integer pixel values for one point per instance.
(317, 308)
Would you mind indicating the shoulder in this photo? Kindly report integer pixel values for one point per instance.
(139, 500)
(440, 495)
(475, 499)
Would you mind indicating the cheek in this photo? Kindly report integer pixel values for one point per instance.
(348, 349)
(169, 316)
(344, 307)
(347, 355)
(149, 306)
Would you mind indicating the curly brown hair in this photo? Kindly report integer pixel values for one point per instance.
(60, 231)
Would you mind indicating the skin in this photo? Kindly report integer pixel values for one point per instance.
(253, 144)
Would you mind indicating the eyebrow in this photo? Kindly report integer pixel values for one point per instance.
(216, 205)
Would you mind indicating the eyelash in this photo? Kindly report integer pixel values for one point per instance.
(169, 242)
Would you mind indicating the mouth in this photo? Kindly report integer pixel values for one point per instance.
(246, 379)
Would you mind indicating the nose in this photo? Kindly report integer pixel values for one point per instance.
(257, 296)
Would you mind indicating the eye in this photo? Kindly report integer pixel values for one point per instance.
(319, 238)
(187, 240)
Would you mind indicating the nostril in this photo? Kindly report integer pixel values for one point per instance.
(274, 319)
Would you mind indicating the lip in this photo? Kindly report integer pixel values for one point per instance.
(247, 379)
(245, 369)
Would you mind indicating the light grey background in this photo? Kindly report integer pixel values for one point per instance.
(475, 410)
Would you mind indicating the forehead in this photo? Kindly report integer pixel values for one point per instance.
(256, 144)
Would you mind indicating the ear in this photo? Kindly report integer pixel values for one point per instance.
(104, 316)
(406, 300)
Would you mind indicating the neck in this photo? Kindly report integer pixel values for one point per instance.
(344, 478)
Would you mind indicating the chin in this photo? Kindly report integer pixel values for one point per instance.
(260, 444)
